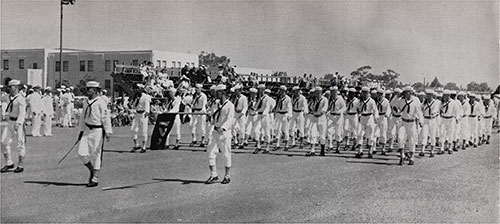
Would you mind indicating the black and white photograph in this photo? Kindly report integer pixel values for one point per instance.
(241, 111)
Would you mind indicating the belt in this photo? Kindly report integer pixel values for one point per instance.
(464, 115)
(366, 115)
(281, 112)
(336, 114)
(486, 117)
(140, 111)
(472, 115)
(298, 111)
(381, 114)
(318, 115)
(13, 118)
(396, 115)
(196, 109)
(446, 117)
(91, 126)
(351, 113)
(408, 120)
(430, 117)
(218, 129)
(260, 113)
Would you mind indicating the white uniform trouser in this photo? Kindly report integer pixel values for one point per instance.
(318, 129)
(10, 135)
(272, 126)
(394, 126)
(37, 122)
(448, 126)
(90, 146)
(407, 134)
(282, 126)
(429, 129)
(198, 121)
(335, 126)
(351, 125)
(382, 125)
(366, 129)
(298, 122)
(308, 126)
(222, 143)
(474, 128)
(47, 125)
(263, 124)
(239, 127)
(140, 124)
(464, 129)
(481, 127)
(252, 122)
(488, 125)
(66, 120)
(177, 128)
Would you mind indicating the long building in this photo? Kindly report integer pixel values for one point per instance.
(42, 66)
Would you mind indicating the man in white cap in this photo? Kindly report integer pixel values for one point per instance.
(351, 119)
(212, 106)
(395, 119)
(474, 117)
(463, 126)
(200, 101)
(35, 103)
(48, 111)
(410, 116)
(71, 105)
(336, 109)
(489, 112)
(141, 106)
(449, 120)
(173, 106)
(66, 108)
(252, 116)
(94, 125)
(240, 117)
(311, 103)
(368, 112)
(222, 120)
(283, 117)
(430, 110)
(14, 132)
(319, 122)
(384, 112)
(264, 119)
(104, 95)
(299, 104)
(272, 106)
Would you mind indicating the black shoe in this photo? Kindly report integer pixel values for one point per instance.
(135, 149)
(192, 144)
(358, 155)
(370, 155)
(389, 150)
(475, 145)
(310, 154)
(241, 147)
(256, 151)
(487, 142)
(450, 152)
(202, 145)
(142, 151)
(440, 152)
(432, 155)
(286, 149)
(401, 161)
(176, 147)
(421, 154)
(337, 151)
(245, 144)
(265, 152)
(383, 153)
(6, 168)
(19, 169)
(92, 184)
(276, 148)
(455, 149)
(322, 153)
(411, 163)
(226, 180)
(374, 152)
(212, 180)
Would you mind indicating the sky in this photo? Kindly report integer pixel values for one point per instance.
(457, 41)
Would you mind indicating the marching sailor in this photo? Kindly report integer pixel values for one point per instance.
(240, 117)
(299, 103)
(367, 109)
(48, 111)
(212, 106)
(199, 106)
(94, 125)
(449, 120)
(395, 119)
(14, 132)
(252, 116)
(142, 107)
(489, 112)
(36, 110)
(408, 106)
(474, 117)
(222, 120)
(173, 106)
(283, 116)
(464, 129)
(384, 112)
(336, 111)
(319, 122)
(430, 110)
(264, 119)
(351, 118)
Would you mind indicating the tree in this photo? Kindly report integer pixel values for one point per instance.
(483, 87)
(451, 86)
(418, 86)
(212, 60)
(435, 83)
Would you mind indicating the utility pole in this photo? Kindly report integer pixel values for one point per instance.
(60, 45)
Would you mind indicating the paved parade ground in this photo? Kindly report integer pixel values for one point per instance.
(167, 186)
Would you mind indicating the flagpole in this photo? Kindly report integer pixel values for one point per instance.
(60, 45)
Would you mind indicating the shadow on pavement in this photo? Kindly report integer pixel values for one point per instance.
(184, 182)
(373, 162)
(155, 181)
(48, 183)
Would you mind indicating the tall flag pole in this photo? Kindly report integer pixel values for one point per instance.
(63, 2)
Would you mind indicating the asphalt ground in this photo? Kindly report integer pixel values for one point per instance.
(168, 186)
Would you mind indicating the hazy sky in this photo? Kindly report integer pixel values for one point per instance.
(454, 40)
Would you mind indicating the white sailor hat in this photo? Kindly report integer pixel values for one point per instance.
(267, 91)
(420, 94)
(253, 90)
(68, 89)
(312, 90)
(92, 84)
(282, 87)
(231, 89)
(63, 90)
(173, 90)
(388, 91)
(220, 87)
(295, 88)
(380, 91)
(140, 85)
(14, 82)
(352, 90)
(59, 90)
(461, 93)
(486, 97)
(373, 91)
(453, 92)
(63, 87)
(30, 90)
(261, 86)
(398, 90)
(199, 85)
(104, 91)
(327, 92)
(237, 87)
(365, 89)
(408, 88)
(71, 87)
(318, 88)
(430, 91)
(438, 94)
(37, 87)
(212, 87)
(446, 92)
(48, 88)
(334, 88)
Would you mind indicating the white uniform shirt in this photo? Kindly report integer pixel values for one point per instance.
(384, 107)
(351, 106)
(284, 106)
(320, 106)
(490, 110)
(300, 104)
(430, 109)
(17, 108)
(264, 105)
(200, 102)
(35, 102)
(144, 103)
(394, 106)
(241, 104)
(48, 107)
(95, 112)
(252, 107)
(223, 117)
(410, 109)
(337, 106)
(465, 108)
(449, 109)
(367, 107)
(173, 105)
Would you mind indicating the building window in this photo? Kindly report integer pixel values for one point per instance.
(58, 66)
(107, 84)
(5, 64)
(82, 66)
(158, 62)
(192, 64)
(65, 66)
(135, 62)
(179, 64)
(35, 65)
(90, 66)
(164, 64)
(21, 63)
(173, 64)
(107, 65)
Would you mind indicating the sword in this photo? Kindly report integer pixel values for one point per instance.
(68, 152)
